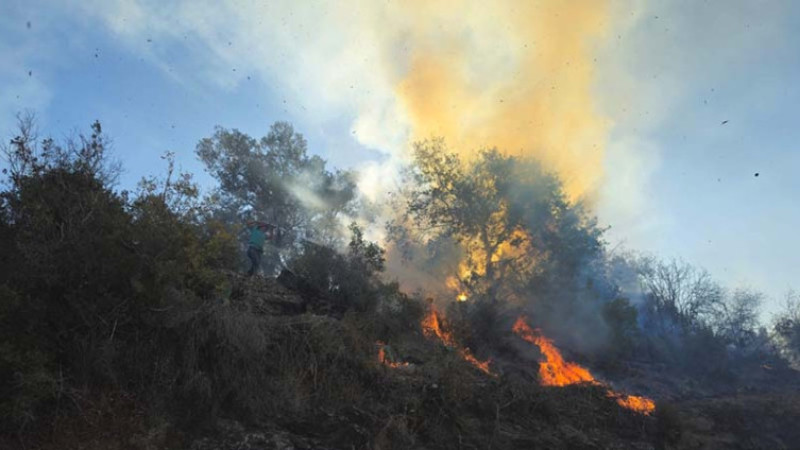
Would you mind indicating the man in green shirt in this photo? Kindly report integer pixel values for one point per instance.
(259, 233)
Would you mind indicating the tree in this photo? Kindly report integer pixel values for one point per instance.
(786, 327)
(88, 275)
(274, 177)
(678, 294)
(347, 280)
(737, 321)
(621, 318)
(506, 215)
(66, 289)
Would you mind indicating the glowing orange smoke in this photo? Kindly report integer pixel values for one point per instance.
(386, 362)
(554, 371)
(526, 87)
(432, 327)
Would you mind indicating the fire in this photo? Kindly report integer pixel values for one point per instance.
(633, 402)
(483, 366)
(432, 327)
(462, 297)
(383, 360)
(554, 371)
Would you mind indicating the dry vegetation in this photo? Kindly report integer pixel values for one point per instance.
(124, 324)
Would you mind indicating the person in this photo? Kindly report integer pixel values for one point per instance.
(259, 233)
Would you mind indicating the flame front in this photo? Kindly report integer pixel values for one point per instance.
(432, 327)
(554, 371)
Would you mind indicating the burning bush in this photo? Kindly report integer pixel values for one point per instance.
(507, 217)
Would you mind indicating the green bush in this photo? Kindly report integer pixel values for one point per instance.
(91, 271)
(347, 281)
(27, 373)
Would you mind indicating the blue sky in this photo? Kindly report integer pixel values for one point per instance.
(678, 182)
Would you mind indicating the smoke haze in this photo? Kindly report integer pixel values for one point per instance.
(513, 75)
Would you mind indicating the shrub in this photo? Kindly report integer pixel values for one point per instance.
(669, 427)
(348, 281)
(621, 318)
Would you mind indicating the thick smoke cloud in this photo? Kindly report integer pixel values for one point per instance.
(513, 74)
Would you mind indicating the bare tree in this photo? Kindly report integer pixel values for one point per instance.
(737, 319)
(28, 155)
(680, 293)
(786, 327)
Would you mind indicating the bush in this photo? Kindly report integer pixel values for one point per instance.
(27, 375)
(347, 281)
(90, 270)
(669, 426)
(254, 366)
(621, 318)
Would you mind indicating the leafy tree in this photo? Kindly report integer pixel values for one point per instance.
(64, 293)
(347, 280)
(275, 178)
(506, 215)
(368, 255)
(91, 271)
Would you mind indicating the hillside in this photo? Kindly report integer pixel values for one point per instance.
(278, 375)
(126, 320)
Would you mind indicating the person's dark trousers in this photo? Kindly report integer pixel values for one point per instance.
(255, 260)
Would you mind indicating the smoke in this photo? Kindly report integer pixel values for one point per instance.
(513, 75)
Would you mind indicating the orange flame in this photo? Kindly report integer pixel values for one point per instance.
(386, 362)
(432, 327)
(554, 371)
(634, 402)
(483, 366)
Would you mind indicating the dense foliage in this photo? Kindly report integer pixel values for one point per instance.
(508, 218)
(276, 180)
